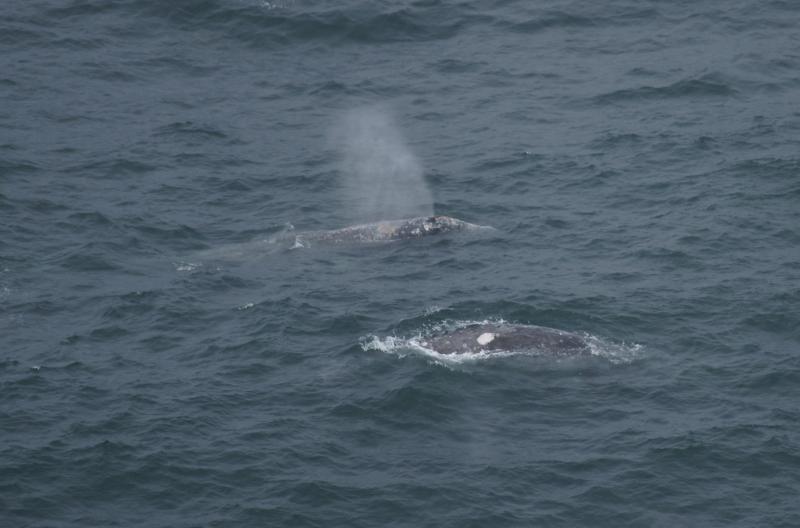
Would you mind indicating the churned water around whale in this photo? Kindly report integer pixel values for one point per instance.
(639, 161)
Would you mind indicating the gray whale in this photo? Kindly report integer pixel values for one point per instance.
(384, 231)
(507, 337)
(388, 230)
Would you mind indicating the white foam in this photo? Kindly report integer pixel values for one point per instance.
(186, 266)
(299, 243)
(617, 353)
(271, 5)
(403, 347)
(430, 310)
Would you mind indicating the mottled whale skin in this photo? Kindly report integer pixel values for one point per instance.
(507, 337)
(388, 230)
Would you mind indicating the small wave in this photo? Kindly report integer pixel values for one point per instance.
(88, 262)
(703, 87)
(189, 128)
(8, 168)
(262, 23)
(112, 168)
(552, 20)
(89, 220)
(608, 141)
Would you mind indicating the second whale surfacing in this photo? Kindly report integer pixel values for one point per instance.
(502, 337)
(388, 230)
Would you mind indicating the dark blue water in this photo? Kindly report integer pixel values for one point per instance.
(160, 366)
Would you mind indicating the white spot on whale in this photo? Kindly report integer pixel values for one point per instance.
(485, 339)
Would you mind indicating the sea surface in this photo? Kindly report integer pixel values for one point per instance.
(166, 360)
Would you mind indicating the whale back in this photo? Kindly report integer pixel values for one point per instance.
(388, 230)
(496, 337)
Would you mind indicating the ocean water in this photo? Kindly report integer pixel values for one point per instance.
(164, 363)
